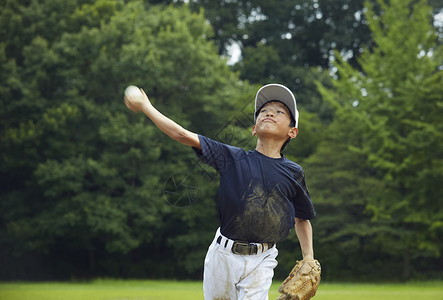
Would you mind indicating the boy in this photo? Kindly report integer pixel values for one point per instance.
(262, 195)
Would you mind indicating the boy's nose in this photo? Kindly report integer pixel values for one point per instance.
(269, 113)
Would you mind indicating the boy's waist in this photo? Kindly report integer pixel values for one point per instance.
(242, 247)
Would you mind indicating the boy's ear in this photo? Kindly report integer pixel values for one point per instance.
(254, 131)
(293, 132)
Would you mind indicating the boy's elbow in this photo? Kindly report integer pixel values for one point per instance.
(181, 136)
(188, 138)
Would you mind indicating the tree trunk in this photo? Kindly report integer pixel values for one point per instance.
(91, 260)
(406, 266)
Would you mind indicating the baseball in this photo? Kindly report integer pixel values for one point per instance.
(133, 94)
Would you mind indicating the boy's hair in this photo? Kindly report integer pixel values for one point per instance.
(291, 124)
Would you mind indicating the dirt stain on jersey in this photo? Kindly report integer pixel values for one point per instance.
(265, 216)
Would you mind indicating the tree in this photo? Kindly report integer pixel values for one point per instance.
(291, 42)
(82, 179)
(287, 41)
(383, 154)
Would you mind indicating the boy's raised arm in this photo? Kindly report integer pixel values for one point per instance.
(169, 127)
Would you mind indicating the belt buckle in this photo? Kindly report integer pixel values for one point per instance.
(243, 248)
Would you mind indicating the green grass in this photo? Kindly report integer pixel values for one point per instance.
(159, 290)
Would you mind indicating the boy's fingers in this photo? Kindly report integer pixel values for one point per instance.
(128, 104)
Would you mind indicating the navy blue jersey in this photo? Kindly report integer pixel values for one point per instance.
(259, 196)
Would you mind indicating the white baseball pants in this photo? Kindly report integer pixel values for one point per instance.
(237, 277)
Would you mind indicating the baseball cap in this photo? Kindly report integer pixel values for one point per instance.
(276, 92)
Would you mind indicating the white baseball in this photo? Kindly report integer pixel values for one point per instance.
(134, 94)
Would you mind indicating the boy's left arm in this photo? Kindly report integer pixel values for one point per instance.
(304, 278)
(303, 229)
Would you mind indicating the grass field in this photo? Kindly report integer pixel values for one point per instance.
(165, 290)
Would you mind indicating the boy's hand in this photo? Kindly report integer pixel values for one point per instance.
(136, 99)
(302, 283)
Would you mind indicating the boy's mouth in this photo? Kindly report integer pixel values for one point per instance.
(268, 120)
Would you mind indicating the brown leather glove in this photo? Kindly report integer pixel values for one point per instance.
(302, 282)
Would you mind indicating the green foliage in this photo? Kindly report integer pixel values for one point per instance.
(286, 41)
(385, 140)
(89, 189)
(82, 177)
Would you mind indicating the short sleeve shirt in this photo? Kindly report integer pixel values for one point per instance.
(258, 196)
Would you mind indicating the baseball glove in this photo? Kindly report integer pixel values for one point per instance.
(302, 282)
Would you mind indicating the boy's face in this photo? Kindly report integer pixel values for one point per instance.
(273, 120)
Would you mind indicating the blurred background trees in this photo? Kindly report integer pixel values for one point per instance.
(89, 189)
(386, 139)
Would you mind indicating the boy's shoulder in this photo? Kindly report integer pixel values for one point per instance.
(291, 163)
(294, 167)
(221, 149)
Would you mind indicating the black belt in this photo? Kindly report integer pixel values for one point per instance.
(245, 248)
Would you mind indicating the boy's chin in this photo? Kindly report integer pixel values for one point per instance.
(271, 134)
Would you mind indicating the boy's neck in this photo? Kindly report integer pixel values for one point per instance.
(270, 148)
